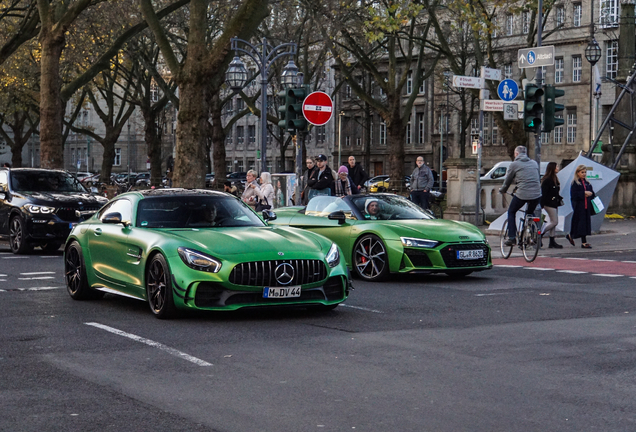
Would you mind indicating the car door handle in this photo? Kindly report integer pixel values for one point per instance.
(98, 231)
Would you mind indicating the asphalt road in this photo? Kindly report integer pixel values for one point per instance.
(544, 347)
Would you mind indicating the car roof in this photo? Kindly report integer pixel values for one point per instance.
(147, 193)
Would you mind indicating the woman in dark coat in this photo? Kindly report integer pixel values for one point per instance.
(581, 195)
(550, 201)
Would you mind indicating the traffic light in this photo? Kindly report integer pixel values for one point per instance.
(532, 108)
(550, 108)
(293, 109)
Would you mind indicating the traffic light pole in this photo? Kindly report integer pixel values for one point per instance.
(539, 80)
(482, 96)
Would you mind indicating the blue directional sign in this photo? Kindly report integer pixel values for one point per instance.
(532, 57)
(508, 90)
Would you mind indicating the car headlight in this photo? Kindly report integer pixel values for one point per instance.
(199, 261)
(333, 257)
(32, 208)
(418, 243)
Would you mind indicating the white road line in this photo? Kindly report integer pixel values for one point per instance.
(18, 257)
(360, 308)
(571, 271)
(3, 275)
(39, 288)
(38, 278)
(579, 259)
(508, 266)
(607, 275)
(51, 256)
(604, 260)
(538, 268)
(151, 343)
(36, 273)
(629, 262)
(502, 293)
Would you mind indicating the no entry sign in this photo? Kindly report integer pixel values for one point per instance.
(318, 108)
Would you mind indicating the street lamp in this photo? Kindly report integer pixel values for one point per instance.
(593, 55)
(263, 55)
(593, 52)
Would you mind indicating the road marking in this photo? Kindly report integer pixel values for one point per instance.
(606, 275)
(603, 260)
(14, 257)
(571, 271)
(629, 262)
(151, 343)
(360, 308)
(36, 273)
(38, 278)
(508, 266)
(494, 294)
(537, 268)
(50, 257)
(579, 259)
(3, 275)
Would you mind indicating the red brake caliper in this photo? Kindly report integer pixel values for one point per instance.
(364, 259)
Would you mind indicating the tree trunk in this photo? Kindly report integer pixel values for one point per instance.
(51, 105)
(396, 135)
(218, 142)
(108, 144)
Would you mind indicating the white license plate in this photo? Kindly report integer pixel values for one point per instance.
(285, 292)
(470, 254)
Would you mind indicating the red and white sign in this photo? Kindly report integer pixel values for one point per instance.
(318, 108)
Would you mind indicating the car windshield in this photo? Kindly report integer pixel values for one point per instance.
(194, 211)
(45, 181)
(323, 205)
(388, 207)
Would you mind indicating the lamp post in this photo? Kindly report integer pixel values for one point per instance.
(341, 115)
(593, 55)
(263, 55)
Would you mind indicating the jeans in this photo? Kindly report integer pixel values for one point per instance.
(513, 208)
(420, 198)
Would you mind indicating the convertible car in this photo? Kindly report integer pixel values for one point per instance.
(383, 233)
(183, 249)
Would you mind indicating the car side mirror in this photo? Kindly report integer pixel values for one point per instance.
(339, 216)
(269, 215)
(112, 218)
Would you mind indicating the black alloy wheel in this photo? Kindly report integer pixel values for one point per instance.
(159, 288)
(370, 260)
(75, 274)
(17, 238)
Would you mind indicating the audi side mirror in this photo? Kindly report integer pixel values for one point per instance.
(269, 215)
(338, 216)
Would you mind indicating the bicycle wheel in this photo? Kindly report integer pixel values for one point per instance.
(437, 210)
(503, 236)
(530, 241)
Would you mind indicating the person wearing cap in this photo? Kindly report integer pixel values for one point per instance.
(421, 183)
(321, 180)
(356, 172)
(372, 209)
(344, 185)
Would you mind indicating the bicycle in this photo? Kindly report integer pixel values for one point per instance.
(528, 238)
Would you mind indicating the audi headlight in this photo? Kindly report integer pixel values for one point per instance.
(199, 261)
(418, 243)
(38, 209)
(333, 257)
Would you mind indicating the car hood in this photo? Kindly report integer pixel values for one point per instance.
(437, 229)
(242, 240)
(63, 198)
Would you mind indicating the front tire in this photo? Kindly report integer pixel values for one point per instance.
(531, 241)
(159, 288)
(503, 236)
(75, 274)
(17, 237)
(370, 260)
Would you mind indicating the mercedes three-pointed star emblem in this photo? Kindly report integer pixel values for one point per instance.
(284, 273)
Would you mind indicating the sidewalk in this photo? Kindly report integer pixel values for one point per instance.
(615, 235)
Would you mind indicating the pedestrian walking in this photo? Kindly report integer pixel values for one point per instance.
(265, 193)
(249, 196)
(344, 185)
(551, 200)
(356, 172)
(311, 167)
(421, 183)
(581, 195)
(321, 180)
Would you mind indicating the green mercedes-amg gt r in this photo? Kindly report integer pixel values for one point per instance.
(182, 249)
(384, 233)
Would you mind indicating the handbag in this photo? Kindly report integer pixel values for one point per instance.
(260, 206)
(597, 206)
(560, 201)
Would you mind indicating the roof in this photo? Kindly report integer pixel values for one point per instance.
(147, 193)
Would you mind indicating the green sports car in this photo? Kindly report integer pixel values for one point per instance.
(182, 249)
(384, 233)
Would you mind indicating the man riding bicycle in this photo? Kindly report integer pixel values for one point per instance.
(525, 173)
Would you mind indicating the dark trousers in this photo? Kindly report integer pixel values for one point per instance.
(420, 198)
(513, 208)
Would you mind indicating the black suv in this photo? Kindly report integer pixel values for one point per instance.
(38, 207)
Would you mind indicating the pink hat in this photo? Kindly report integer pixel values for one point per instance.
(343, 169)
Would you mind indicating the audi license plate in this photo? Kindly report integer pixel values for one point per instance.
(286, 292)
(470, 254)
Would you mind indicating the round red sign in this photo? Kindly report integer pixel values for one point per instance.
(318, 108)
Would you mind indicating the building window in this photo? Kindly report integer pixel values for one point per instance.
(240, 166)
(240, 134)
(409, 82)
(577, 13)
(228, 138)
(474, 125)
(609, 13)
(611, 58)
(494, 24)
(558, 132)
(382, 133)
(507, 71)
(545, 137)
(558, 70)
(422, 88)
(73, 156)
(495, 132)
(358, 141)
(420, 128)
(559, 16)
(510, 23)
(408, 133)
(347, 91)
(347, 140)
(320, 134)
(240, 104)
(571, 128)
(251, 134)
(525, 22)
(544, 73)
(154, 93)
(117, 161)
(576, 68)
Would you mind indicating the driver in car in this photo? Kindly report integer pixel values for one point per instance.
(372, 209)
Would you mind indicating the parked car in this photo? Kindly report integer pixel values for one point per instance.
(39, 207)
(375, 179)
(82, 174)
(209, 178)
(397, 237)
(383, 184)
(200, 250)
(143, 179)
(501, 168)
(89, 181)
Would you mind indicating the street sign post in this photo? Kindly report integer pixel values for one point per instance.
(499, 105)
(508, 90)
(510, 111)
(318, 108)
(468, 82)
(536, 57)
(491, 74)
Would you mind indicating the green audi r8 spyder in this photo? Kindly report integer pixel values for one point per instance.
(384, 233)
(181, 249)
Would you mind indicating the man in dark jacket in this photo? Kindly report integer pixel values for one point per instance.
(320, 180)
(525, 173)
(421, 183)
(356, 172)
(311, 167)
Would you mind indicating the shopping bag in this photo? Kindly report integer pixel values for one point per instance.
(598, 206)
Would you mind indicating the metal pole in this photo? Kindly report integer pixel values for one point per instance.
(441, 138)
(299, 141)
(482, 96)
(340, 137)
(264, 73)
(537, 136)
(128, 152)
